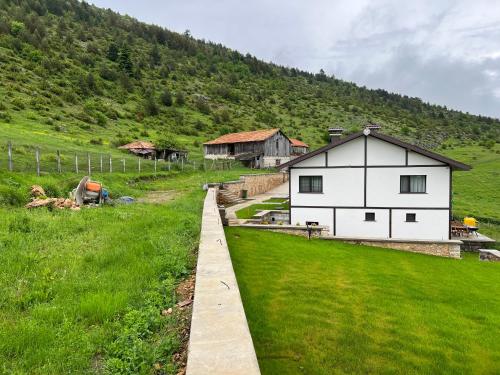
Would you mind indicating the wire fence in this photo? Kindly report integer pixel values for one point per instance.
(39, 160)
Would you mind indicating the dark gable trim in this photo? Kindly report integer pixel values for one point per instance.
(408, 146)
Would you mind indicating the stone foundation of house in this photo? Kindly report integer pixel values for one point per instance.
(449, 249)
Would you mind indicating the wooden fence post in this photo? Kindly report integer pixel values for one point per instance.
(101, 163)
(9, 152)
(59, 162)
(76, 163)
(139, 165)
(37, 158)
(88, 163)
(110, 165)
(155, 164)
(182, 164)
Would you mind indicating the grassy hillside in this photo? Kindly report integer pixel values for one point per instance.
(90, 74)
(82, 291)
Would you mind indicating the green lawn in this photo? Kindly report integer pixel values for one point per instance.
(325, 307)
(276, 200)
(250, 211)
(82, 291)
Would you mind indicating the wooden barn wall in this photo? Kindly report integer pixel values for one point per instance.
(283, 148)
(245, 147)
(220, 149)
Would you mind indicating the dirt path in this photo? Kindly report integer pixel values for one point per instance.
(159, 196)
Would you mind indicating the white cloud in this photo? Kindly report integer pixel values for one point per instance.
(444, 51)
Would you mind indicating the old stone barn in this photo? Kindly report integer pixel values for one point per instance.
(255, 149)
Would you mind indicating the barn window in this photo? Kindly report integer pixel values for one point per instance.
(369, 216)
(277, 147)
(310, 184)
(413, 184)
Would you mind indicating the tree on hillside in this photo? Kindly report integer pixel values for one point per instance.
(125, 61)
(113, 52)
(155, 55)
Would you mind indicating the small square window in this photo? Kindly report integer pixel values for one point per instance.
(369, 216)
(411, 218)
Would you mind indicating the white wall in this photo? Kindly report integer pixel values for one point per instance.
(341, 187)
(270, 161)
(351, 223)
(418, 159)
(430, 225)
(324, 216)
(383, 187)
(315, 161)
(348, 154)
(384, 153)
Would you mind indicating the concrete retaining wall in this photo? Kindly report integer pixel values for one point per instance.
(220, 341)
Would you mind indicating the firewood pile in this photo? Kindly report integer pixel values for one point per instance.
(39, 199)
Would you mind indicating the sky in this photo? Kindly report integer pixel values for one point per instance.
(442, 51)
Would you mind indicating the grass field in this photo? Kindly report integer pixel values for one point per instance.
(476, 192)
(82, 291)
(250, 211)
(324, 307)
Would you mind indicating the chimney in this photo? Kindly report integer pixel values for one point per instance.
(372, 126)
(335, 133)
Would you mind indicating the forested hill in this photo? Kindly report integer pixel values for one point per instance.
(93, 74)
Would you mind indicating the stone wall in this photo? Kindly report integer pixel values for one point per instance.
(449, 249)
(255, 184)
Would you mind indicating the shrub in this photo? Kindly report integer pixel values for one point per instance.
(180, 98)
(166, 98)
(12, 196)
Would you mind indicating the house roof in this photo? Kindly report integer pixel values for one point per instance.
(138, 145)
(297, 143)
(252, 136)
(456, 165)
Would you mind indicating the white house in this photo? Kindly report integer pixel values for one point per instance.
(371, 185)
